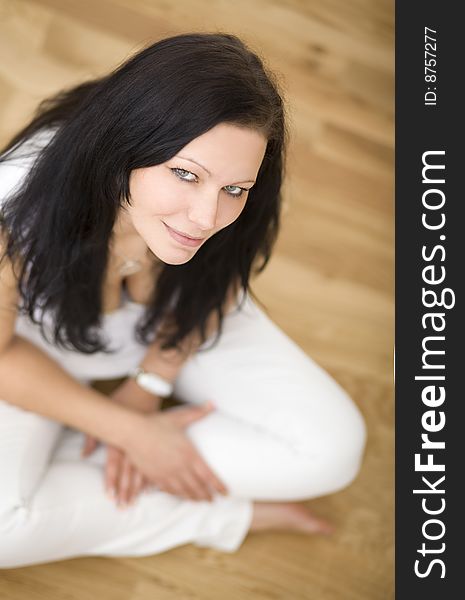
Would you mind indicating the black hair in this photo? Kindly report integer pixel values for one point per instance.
(59, 223)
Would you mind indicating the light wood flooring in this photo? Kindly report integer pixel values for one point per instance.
(329, 284)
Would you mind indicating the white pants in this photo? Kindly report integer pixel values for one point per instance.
(283, 430)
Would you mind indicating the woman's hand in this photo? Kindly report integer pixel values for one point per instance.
(161, 450)
(123, 481)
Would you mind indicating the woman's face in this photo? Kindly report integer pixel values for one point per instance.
(196, 193)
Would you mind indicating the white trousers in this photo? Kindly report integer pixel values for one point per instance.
(283, 430)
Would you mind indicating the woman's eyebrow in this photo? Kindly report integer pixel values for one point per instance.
(194, 161)
(202, 167)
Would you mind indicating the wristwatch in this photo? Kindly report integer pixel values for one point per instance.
(150, 382)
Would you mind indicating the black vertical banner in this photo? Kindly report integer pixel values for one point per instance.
(430, 269)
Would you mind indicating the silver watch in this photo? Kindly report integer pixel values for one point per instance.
(150, 382)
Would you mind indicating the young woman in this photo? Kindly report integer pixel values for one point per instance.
(135, 210)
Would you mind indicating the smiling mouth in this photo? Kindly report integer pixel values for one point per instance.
(180, 238)
(189, 237)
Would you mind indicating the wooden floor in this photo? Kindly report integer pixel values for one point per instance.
(329, 284)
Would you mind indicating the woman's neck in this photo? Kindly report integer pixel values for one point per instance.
(127, 242)
(123, 228)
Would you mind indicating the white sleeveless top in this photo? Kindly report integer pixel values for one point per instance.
(117, 327)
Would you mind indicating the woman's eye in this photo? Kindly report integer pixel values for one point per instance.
(184, 175)
(235, 190)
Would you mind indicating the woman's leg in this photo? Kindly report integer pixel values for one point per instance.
(52, 501)
(53, 505)
(283, 429)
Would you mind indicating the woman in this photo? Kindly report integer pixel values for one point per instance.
(135, 209)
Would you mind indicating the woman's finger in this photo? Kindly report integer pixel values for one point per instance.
(187, 485)
(206, 475)
(125, 481)
(112, 471)
(137, 485)
(197, 488)
(90, 444)
(146, 485)
(173, 486)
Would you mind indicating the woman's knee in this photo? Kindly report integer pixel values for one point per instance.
(11, 534)
(344, 458)
(330, 446)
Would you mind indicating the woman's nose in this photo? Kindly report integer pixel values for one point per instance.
(203, 211)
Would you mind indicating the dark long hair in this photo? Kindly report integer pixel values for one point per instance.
(59, 223)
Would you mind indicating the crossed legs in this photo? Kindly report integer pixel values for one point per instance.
(283, 430)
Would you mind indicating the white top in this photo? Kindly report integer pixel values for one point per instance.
(20, 161)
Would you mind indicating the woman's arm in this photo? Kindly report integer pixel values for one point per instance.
(33, 381)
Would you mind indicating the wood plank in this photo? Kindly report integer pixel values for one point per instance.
(329, 284)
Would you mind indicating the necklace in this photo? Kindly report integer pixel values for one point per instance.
(129, 266)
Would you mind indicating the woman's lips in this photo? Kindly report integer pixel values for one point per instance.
(182, 239)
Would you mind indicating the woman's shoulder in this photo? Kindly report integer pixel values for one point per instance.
(17, 162)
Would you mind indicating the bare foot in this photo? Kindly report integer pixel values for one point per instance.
(287, 516)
